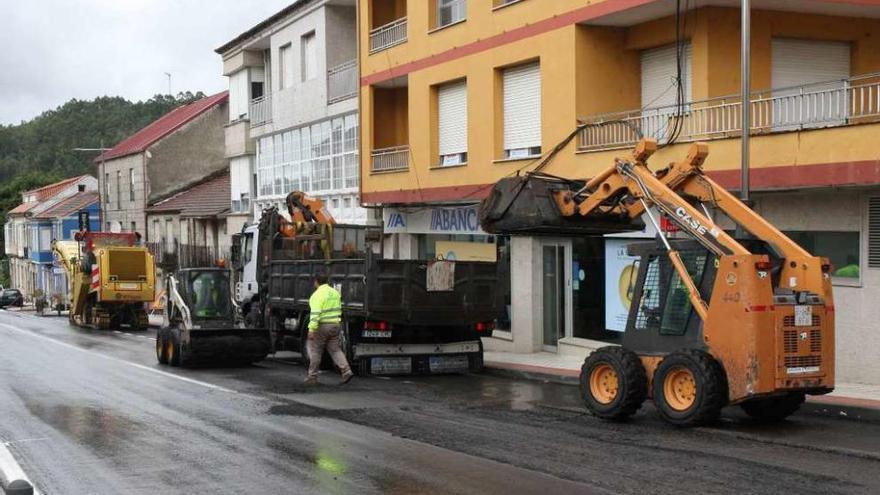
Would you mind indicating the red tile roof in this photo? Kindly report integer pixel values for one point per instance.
(44, 193)
(163, 126)
(206, 199)
(71, 205)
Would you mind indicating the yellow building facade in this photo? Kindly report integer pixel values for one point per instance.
(455, 94)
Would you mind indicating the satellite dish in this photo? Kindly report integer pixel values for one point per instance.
(115, 227)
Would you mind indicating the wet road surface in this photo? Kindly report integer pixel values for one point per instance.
(90, 412)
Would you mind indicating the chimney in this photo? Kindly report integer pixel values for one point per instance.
(81, 188)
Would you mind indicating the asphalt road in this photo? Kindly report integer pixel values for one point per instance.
(90, 412)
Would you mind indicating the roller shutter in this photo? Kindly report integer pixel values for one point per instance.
(796, 67)
(522, 107)
(659, 71)
(452, 116)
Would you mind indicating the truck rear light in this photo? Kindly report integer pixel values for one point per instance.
(376, 325)
(485, 326)
(763, 266)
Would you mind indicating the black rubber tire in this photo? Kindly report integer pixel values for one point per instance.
(160, 346)
(711, 388)
(174, 358)
(774, 409)
(632, 387)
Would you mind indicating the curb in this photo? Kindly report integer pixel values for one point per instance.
(535, 373)
(840, 407)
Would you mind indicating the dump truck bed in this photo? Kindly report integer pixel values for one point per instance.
(396, 291)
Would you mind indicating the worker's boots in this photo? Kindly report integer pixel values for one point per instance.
(310, 381)
(346, 377)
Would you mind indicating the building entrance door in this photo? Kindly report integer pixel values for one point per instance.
(556, 293)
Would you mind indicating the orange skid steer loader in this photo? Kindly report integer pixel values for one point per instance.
(714, 320)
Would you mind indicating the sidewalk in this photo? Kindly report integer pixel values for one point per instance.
(551, 367)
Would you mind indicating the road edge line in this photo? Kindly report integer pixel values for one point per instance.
(129, 363)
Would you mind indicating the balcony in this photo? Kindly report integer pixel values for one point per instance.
(342, 82)
(390, 159)
(260, 110)
(827, 104)
(391, 34)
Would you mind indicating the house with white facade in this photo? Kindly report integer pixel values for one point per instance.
(293, 122)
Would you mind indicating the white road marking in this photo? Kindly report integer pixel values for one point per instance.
(25, 440)
(11, 469)
(129, 363)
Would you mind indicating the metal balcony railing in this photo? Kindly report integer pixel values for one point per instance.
(826, 104)
(342, 82)
(388, 35)
(260, 110)
(385, 159)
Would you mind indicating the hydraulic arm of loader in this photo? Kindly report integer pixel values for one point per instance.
(629, 188)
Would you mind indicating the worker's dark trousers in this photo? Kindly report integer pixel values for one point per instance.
(327, 335)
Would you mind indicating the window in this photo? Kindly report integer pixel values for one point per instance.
(796, 68)
(107, 188)
(119, 188)
(238, 97)
(285, 66)
(841, 248)
(522, 111)
(309, 56)
(318, 157)
(450, 12)
(131, 185)
(660, 87)
(134, 227)
(452, 123)
(502, 3)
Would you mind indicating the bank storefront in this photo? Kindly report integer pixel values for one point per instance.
(568, 294)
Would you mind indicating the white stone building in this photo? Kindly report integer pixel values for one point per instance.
(293, 122)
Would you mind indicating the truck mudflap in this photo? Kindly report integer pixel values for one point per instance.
(405, 359)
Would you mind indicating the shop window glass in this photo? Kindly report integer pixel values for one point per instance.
(842, 248)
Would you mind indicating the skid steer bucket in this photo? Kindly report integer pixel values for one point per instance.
(525, 205)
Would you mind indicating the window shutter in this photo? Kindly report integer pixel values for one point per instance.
(238, 95)
(874, 232)
(659, 70)
(452, 116)
(522, 107)
(799, 62)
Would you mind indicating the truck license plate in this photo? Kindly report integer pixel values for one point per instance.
(129, 286)
(391, 365)
(443, 364)
(382, 334)
(803, 316)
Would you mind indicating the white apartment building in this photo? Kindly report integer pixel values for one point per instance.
(293, 122)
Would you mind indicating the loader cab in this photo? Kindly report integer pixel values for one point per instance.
(206, 292)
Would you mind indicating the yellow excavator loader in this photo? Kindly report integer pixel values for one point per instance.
(110, 278)
(714, 320)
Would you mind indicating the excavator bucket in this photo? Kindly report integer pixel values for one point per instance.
(525, 205)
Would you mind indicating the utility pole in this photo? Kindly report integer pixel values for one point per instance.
(169, 82)
(746, 74)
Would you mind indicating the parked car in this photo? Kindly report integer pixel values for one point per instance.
(11, 297)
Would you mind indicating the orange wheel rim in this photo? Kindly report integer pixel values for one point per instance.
(680, 388)
(604, 383)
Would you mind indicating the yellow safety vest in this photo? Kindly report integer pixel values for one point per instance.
(325, 307)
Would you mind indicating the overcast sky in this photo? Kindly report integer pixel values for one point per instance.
(56, 50)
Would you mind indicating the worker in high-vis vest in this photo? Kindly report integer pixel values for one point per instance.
(325, 317)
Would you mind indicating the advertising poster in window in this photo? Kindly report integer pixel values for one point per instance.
(621, 271)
